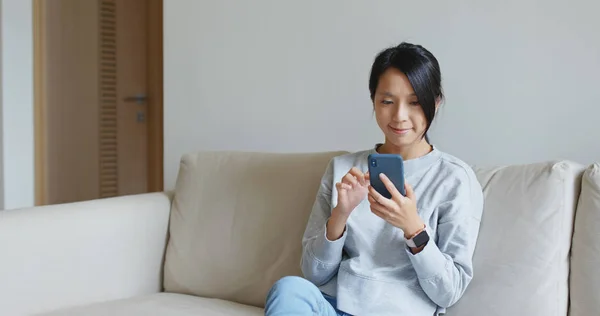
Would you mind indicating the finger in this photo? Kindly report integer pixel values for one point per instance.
(385, 202)
(367, 176)
(379, 211)
(342, 186)
(376, 195)
(350, 179)
(409, 191)
(372, 200)
(390, 186)
(358, 174)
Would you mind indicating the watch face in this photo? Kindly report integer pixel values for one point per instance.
(421, 239)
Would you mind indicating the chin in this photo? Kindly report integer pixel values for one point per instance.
(402, 141)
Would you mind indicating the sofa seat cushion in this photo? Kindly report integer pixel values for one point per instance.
(585, 252)
(521, 262)
(162, 304)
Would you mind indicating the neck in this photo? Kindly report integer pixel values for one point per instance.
(413, 151)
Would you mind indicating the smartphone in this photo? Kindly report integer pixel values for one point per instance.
(392, 166)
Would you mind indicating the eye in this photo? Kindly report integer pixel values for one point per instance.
(414, 103)
(386, 102)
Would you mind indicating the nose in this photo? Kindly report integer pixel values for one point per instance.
(401, 112)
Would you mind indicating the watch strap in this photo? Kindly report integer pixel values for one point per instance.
(418, 239)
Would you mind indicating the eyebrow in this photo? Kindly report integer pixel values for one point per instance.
(389, 94)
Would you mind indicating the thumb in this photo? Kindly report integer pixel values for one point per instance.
(409, 191)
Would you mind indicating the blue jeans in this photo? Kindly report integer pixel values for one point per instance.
(295, 296)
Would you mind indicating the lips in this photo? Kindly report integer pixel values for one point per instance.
(399, 131)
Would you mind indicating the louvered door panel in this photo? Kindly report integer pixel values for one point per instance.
(109, 156)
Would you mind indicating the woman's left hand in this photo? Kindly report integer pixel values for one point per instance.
(400, 211)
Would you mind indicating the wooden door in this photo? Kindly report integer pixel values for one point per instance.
(125, 22)
(98, 98)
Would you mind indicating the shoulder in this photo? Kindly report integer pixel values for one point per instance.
(348, 160)
(463, 187)
(339, 165)
(457, 168)
(351, 159)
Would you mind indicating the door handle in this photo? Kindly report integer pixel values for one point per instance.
(138, 98)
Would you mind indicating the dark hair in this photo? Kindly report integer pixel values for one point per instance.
(422, 70)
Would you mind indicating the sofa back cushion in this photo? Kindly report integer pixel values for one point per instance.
(237, 222)
(585, 252)
(521, 262)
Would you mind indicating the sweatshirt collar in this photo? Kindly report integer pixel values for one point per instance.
(415, 165)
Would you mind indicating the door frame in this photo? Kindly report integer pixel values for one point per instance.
(154, 101)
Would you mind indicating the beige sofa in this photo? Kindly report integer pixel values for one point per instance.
(233, 226)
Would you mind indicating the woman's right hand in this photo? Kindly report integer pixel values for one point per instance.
(352, 189)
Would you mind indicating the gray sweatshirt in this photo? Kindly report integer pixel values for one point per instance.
(370, 269)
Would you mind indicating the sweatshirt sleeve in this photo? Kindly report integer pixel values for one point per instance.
(445, 265)
(321, 257)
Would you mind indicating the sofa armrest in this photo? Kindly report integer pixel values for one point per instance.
(73, 254)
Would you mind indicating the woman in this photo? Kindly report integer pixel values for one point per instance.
(364, 254)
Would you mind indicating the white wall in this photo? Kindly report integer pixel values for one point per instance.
(1, 129)
(17, 103)
(521, 79)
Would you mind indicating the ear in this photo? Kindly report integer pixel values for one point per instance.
(438, 102)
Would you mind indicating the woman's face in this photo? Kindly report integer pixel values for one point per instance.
(397, 110)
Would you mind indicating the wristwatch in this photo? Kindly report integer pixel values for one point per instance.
(418, 240)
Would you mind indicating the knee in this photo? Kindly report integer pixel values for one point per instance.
(291, 282)
(293, 295)
(290, 285)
